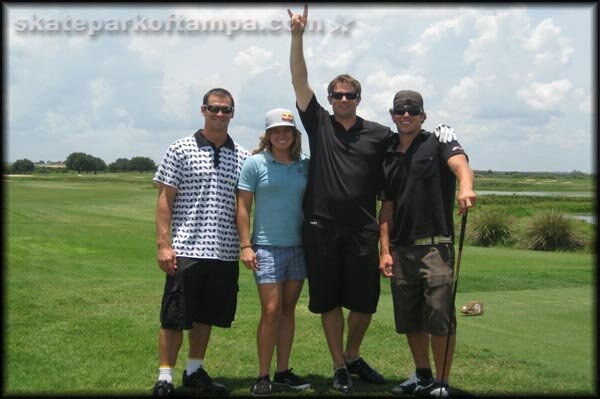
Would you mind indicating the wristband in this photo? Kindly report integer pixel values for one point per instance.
(246, 246)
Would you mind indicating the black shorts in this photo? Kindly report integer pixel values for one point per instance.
(201, 291)
(342, 265)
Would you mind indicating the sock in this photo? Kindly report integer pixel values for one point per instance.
(165, 373)
(193, 365)
(351, 360)
(424, 373)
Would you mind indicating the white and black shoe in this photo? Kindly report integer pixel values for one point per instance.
(413, 384)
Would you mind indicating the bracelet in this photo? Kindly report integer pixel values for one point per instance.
(246, 246)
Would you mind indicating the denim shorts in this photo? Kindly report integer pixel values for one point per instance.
(277, 264)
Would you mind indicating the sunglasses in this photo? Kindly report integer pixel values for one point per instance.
(337, 95)
(412, 111)
(215, 109)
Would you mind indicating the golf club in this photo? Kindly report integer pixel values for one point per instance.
(461, 240)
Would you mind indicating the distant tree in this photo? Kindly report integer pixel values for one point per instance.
(120, 165)
(23, 166)
(6, 168)
(82, 162)
(76, 161)
(142, 164)
(98, 165)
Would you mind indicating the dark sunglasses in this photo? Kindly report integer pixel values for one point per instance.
(412, 111)
(336, 95)
(215, 109)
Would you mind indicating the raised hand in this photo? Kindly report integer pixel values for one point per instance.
(298, 22)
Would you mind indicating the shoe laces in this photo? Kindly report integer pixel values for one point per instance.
(413, 379)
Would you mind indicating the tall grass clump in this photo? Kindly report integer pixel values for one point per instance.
(551, 230)
(491, 228)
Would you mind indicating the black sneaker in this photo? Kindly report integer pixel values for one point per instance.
(290, 380)
(412, 385)
(163, 389)
(365, 372)
(342, 381)
(262, 387)
(201, 382)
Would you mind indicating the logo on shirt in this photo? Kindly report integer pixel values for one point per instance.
(457, 148)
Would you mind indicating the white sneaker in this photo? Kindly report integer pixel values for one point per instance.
(440, 391)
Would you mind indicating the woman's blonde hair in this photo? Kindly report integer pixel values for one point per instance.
(264, 144)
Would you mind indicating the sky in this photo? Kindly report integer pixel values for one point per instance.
(516, 81)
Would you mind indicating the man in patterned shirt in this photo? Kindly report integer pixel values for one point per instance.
(198, 245)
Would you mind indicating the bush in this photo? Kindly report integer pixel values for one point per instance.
(490, 228)
(551, 231)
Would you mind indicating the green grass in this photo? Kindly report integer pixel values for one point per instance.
(533, 182)
(82, 296)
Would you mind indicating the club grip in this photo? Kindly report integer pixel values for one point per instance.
(463, 227)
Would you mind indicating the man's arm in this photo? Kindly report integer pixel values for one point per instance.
(164, 208)
(297, 63)
(459, 165)
(242, 220)
(385, 226)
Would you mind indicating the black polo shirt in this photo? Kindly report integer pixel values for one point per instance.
(422, 187)
(345, 173)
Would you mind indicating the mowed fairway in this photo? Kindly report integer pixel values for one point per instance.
(82, 294)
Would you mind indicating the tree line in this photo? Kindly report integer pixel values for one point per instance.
(81, 162)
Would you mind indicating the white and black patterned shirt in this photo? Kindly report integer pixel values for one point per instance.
(203, 217)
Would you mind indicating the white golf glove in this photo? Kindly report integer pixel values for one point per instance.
(444, 133)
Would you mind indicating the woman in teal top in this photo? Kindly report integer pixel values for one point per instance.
(274, 179)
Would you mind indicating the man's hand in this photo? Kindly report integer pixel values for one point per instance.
(385, 265)
(444, 133)
(166, 260)
(466, 199)
(298, 22)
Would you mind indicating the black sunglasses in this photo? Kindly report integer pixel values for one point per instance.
(412, 111)
(216, 108)
(337, 95)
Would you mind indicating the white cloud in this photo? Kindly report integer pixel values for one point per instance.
(546, 96)
(254, 60)
(437, 31)
(549, 45)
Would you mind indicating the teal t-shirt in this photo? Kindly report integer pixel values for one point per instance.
(278, 191)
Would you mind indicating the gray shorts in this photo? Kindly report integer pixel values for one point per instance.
(278, 264)
(422, 288)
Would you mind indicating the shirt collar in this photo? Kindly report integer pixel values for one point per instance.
(358, 124)
(421, 136)
(269, 157)
(203, 141)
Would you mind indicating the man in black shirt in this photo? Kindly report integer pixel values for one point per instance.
(340, 233)
(417, 235)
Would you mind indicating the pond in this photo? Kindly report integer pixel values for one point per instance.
(538, 193)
